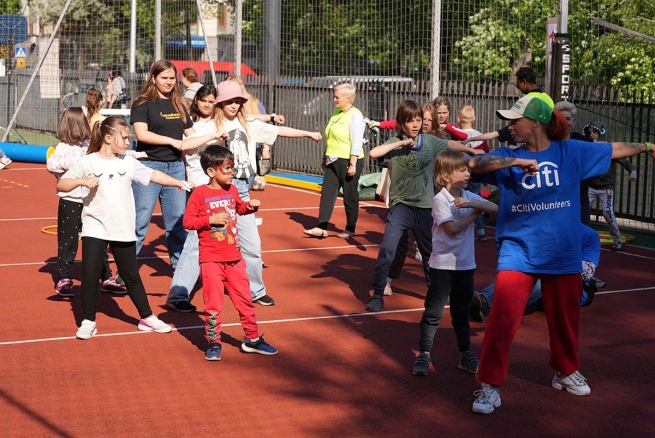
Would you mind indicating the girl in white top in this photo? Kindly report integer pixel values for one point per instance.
(105, 178)
(73, 134)
(452, 262)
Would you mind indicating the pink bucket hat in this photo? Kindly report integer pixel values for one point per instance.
(228, 90)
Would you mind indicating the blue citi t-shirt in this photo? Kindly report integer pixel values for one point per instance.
(538, 226)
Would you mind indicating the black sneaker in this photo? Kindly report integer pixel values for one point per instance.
(617, 246)
(260, 346)
(265, 300)
(181, 306)
(479, 307)
(421, 364)
(468, 362)
(376, 304)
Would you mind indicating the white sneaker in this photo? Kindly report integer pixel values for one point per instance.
(154, 324)
(87, 329)
(573, 383)
(488, 398)
(4, 162)
(387, 289)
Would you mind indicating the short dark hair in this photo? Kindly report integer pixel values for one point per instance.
(526, 74)
(214, 155)
(407, 110)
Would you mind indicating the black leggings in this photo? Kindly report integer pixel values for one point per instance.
(69, 224)
(93, 252)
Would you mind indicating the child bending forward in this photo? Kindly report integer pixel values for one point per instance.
(212, 211)
(452, 262)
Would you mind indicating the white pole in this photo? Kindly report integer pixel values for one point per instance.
(435, 57)
(563, 18)
(237, 39)
(157, 30)
(35, 72)
(133, 37)
(207, 51)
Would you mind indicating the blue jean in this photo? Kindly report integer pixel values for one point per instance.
(488, 293)
(251, 243)
(187, 270)
(172, 201)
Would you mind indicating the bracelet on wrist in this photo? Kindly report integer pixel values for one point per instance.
(649, 146)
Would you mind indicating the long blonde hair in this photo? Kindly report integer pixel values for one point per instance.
(149, 91)
(252, 105)
(219, 117)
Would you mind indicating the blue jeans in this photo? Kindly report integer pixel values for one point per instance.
(172, 201)
(251, 243)
(187, 270)
(488, 293)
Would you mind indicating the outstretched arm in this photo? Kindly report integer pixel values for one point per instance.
(624, 150)
(384, 149)
(459, 147)
(482, 137)
(298, 133)
(489, 163)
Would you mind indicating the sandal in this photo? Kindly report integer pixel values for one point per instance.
(316, 232)
(345, 234)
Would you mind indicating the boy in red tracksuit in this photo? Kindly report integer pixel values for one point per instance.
(212, 211)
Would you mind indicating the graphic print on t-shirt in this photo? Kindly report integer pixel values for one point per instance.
(243, 165)
(227, 232)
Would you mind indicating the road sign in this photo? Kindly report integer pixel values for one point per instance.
(13, 26)
(20, 53)
(20, 62)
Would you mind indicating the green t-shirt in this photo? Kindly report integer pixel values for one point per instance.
(412, 172)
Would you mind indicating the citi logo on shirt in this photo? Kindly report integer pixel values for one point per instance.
(547, 176)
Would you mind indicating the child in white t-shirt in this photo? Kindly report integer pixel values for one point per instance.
(452, 262)
(105, 176)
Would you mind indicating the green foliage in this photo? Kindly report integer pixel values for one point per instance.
(10, 7)
(502, 36)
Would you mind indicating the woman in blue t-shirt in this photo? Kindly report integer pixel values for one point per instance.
(160, 121)
(539, 204)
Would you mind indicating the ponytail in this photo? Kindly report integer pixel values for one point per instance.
(557, 129)
(100, 129)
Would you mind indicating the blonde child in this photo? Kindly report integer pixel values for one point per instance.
(452, 262)
(212, 211)
(104, 177)
(73, 134)
(465, 120)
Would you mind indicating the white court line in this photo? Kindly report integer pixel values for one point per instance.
(234, 324)
(26, 168)
(278, 321)
(163, 257)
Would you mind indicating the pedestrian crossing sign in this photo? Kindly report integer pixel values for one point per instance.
(20, 52)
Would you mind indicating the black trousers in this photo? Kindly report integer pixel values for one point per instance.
(94, 250)
(69, 224)
(459, 286)
(335, 178)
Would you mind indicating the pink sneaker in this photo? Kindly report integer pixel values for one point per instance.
(64, 288)
(154, 324)
(111, 286)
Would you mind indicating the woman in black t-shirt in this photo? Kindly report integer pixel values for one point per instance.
(160, 122)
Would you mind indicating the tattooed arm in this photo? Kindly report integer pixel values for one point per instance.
(489, 163)
(624, 150)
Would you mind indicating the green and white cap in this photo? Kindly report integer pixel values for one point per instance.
(530, 107)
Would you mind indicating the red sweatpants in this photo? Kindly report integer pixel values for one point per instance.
(215, 277)
(561, 298)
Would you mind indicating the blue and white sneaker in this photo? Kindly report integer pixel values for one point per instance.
(260, 346)
(213, 351)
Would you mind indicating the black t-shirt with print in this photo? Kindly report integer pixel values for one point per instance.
(161, 119)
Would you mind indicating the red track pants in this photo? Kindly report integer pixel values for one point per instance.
(215, 277)
(561, 298)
